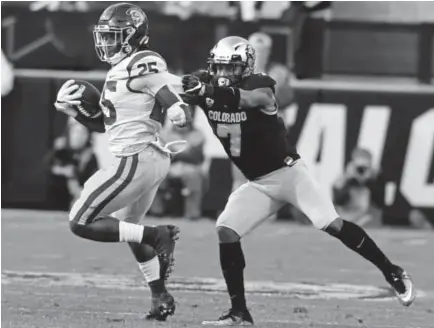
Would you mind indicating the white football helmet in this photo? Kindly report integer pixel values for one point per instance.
(231, 59)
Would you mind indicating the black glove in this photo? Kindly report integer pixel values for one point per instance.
(203, 75)
(190, 99)
(191, 84)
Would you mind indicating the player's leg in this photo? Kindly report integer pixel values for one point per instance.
(154, 272)
(302, 191)
(247, 207)
(109, 190)
(145, 255)
(356, 239)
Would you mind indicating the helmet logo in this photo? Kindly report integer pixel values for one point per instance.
(136, 16)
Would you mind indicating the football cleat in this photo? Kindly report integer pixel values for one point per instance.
(232, 318)
(162, 307)
(402, 285)
(166, 237)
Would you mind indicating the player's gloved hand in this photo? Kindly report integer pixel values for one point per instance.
(194, 86)
(190, 99)
(67, 97)
(203, 75)
(178, 115)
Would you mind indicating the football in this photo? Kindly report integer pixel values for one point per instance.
(89, 106)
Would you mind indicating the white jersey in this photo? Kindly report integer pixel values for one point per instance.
(132, 116)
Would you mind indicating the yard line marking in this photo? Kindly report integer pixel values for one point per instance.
(206, 285)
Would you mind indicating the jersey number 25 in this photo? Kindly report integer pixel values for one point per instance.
(233, 132)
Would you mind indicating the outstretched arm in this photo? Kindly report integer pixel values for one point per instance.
(262, 98)
(94, 124)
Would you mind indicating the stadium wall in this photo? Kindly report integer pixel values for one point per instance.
(63, 40)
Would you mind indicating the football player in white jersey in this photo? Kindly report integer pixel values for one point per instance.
(138, 91)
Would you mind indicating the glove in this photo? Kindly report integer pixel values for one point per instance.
(68, 97)
(177, 115)
(189, 99)
(192, 85)
(203, 75)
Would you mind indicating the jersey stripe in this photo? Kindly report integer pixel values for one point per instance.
(122, 186)
(167, 97)
(98, 191)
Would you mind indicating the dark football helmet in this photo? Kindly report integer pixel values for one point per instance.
(121, 29)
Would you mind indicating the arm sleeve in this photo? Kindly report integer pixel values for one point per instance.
(255, 92)
(240, 99)
(94, 124)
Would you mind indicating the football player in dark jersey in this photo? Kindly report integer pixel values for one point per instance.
(242, 111)
(263, 44)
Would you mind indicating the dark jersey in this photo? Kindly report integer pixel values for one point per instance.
(254, 140)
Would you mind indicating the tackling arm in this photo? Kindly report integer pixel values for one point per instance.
(261, 97)
(246, 99)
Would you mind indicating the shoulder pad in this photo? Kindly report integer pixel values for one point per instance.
(256, 81)
(146, 62)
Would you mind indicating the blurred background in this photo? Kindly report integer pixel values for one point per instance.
(354, 86)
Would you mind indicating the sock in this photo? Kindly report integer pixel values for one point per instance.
(232, 263)
(151, 271)
(355, 238)
(130, 232)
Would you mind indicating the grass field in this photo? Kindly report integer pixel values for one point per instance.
(296, 277)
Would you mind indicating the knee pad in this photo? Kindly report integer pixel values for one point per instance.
(335, 227)
(227, 235)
